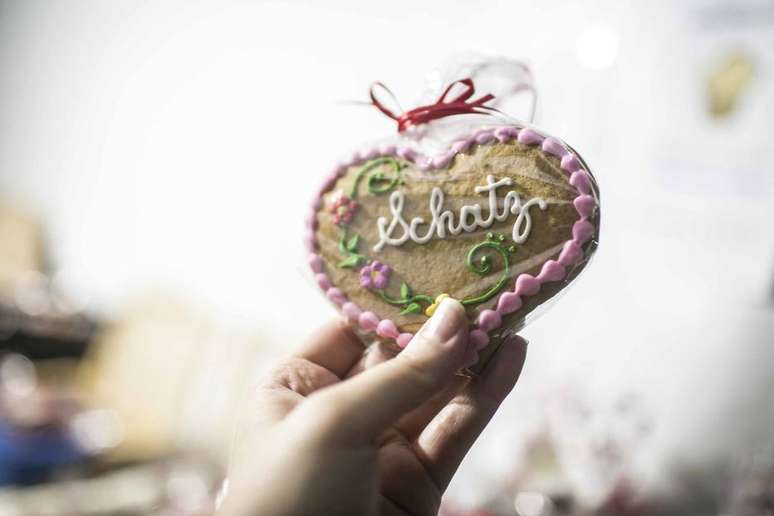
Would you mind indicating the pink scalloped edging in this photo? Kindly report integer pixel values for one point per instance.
(525, 284)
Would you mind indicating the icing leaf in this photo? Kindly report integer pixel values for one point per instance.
(352, 244)
(405, 291)
(412, 308)
(350, 262)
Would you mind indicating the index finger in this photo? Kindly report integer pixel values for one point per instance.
(335, 347)
(448, 437)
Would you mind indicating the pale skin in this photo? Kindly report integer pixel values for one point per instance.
(338, 431)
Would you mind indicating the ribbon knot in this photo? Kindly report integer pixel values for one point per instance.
(442, 107)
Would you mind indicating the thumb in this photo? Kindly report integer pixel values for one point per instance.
(366, 404)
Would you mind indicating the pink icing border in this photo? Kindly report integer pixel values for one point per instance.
(525, 284)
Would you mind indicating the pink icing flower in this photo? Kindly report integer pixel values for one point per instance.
(343, 209)
(375, 275)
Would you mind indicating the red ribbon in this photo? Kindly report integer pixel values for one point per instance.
(459, 105)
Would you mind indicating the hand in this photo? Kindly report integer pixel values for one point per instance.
(340, 432)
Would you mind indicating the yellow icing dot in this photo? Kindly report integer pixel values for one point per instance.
(430, 310)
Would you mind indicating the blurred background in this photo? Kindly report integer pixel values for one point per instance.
(151, 264)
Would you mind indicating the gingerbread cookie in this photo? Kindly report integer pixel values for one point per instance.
(502, 221)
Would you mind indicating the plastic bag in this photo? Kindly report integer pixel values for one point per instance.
(463, 201)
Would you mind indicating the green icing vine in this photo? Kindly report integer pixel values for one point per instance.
(348, 247)
(495, 243)
(378, 182)
(411, 303)
(373, 185)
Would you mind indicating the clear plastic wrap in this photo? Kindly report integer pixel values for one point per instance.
(462, 201)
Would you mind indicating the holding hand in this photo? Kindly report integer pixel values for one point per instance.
(343, 432)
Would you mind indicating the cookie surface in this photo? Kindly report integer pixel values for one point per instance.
(501, 221)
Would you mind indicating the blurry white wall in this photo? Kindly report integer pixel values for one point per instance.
(178, 143)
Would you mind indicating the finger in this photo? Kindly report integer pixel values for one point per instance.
(376, 353)
(403, 478)
(334, 347)
(366, 404)
(449, 436)
(320, 362)
(298, 375)
(285, 387)
(411, 425)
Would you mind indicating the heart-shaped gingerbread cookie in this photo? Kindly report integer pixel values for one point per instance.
(502, 221)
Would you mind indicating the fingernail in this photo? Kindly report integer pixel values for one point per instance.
(515, 339)
(446, 321)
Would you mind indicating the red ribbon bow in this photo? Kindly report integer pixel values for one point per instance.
(459, 105)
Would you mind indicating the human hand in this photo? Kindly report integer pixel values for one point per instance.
(343, 432)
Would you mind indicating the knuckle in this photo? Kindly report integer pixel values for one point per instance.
(417, 372)
(324, 409)
(489, 400)
(422, 341)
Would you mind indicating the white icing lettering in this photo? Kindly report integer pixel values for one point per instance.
(470, 218)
